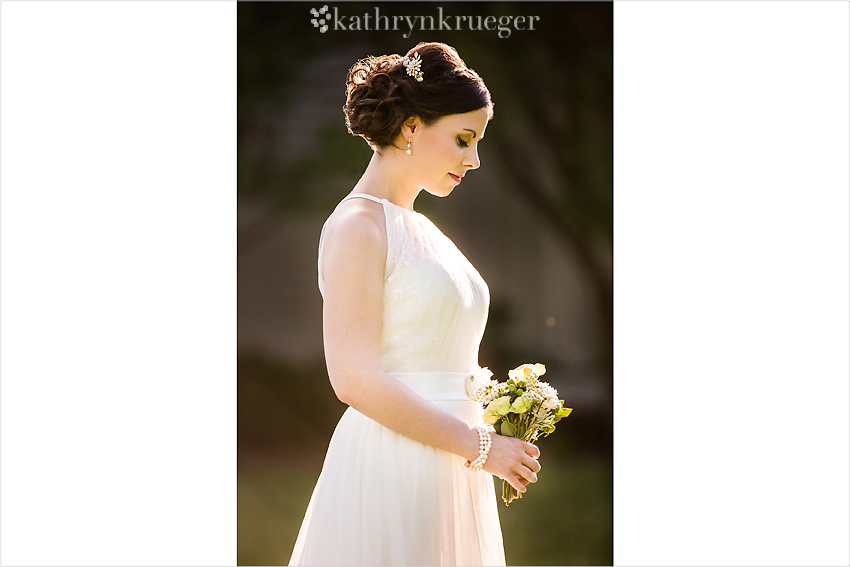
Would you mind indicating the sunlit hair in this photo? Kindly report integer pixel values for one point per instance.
(381, 95)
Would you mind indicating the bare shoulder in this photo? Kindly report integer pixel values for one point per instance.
(357, 224)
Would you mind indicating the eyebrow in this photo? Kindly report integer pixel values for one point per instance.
(473, 133)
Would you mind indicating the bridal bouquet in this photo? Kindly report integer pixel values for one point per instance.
(523, 407)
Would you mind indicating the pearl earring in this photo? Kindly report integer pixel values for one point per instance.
(408, 146)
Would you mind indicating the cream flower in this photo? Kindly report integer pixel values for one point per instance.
(525, 370)
(517, 373)
(490, 418)
(521, 404)
(500, 407)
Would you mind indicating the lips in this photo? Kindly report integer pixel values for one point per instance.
(455, 177)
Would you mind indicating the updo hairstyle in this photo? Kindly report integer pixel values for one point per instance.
(381, 95)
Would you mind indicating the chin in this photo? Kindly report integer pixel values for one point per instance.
(440, 192)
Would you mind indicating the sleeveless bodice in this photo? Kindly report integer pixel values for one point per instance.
(435, 301)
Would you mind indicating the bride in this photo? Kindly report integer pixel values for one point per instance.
(408, 477)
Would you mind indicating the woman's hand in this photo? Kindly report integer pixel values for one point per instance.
(513, 460)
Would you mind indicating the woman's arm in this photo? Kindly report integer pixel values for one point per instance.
(354, 254)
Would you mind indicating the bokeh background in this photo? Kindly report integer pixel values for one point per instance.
(536, 220)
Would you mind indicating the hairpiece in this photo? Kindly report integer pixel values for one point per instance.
(412, 64)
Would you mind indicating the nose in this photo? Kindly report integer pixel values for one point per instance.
(471, 160)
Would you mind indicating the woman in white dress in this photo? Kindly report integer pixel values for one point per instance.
(408, 477)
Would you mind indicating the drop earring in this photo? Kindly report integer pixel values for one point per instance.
(408, 146)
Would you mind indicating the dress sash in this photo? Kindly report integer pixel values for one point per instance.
(444, 385)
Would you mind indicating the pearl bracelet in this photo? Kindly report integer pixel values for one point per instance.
(484, 444)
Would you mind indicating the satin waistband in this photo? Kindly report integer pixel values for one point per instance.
(442, 385)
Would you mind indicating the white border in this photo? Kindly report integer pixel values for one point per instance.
(118, 283)
(731, 283)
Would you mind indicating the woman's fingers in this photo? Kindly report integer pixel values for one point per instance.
(516, 481)
(526, 473)
(532, 453)
(532, 464)
(529, 459)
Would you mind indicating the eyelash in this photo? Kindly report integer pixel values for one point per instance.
(461, 143)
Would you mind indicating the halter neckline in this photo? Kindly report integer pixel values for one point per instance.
(379, 200)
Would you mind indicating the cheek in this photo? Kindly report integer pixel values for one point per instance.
(440, 157)
(450, 154)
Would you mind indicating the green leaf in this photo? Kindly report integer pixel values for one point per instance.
(508, 429)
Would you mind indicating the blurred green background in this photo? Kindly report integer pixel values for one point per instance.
(536, 220)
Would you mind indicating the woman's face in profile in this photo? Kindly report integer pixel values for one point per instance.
(443, 152)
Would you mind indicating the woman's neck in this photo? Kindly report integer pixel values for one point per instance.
(385, 178)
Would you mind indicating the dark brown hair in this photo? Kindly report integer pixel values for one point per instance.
(381, 95)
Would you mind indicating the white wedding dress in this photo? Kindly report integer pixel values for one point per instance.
(382, 498)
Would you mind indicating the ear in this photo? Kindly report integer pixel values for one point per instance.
(410, 125)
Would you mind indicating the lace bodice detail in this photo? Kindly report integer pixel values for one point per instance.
(435, 301)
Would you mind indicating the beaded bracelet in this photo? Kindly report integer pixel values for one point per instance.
(484, 444)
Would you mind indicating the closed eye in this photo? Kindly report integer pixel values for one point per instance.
(462, 143)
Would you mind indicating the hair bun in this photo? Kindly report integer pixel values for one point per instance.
(374, 103)
(381, 95)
